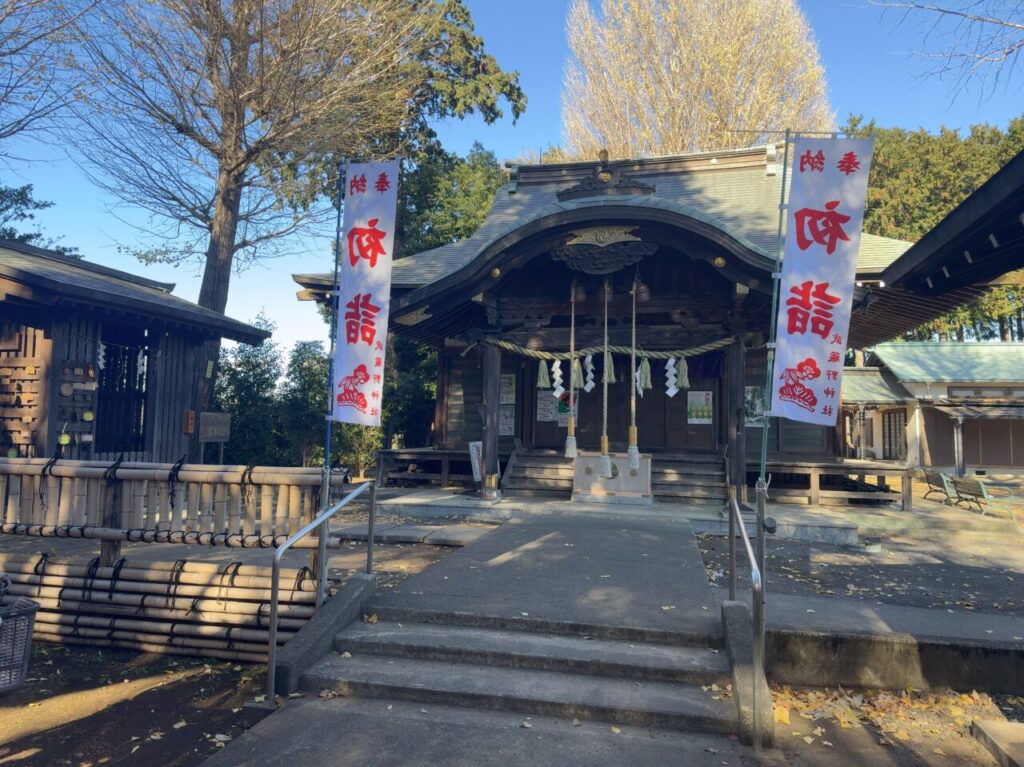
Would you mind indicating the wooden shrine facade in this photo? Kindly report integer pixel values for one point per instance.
(697, 234)
(96, 363)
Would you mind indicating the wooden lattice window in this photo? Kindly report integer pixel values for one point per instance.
(894, 435)
(123, 363)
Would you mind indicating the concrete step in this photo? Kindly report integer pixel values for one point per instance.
(544, 652)
(653, 704)
(537, 483)
(707, 634)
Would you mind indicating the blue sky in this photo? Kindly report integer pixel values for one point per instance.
(870, 58)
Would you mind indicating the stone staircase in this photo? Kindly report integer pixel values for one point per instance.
(693, 479)
(625, 676)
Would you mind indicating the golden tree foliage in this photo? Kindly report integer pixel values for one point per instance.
(651, 77)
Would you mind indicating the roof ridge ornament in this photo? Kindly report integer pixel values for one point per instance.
(605, 180)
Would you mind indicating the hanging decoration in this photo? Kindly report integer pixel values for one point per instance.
(508, 346)
(543, 382)
(633, 448)
(604, 466)
(643, 377)
(671, 389)
(570, 437)
(577, 374)
(684, 374)
(556, 378)
(608, 374)
(589, 383)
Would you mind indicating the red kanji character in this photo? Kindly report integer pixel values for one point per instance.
(811, 303)
(360, 324)
(357, 185)
(832, 375)
(814, 162)
(383, 183)
(826, 410)
(379, 346)
(377, 379)
(366, 243)
(375, 394)
(833, 357)
(374, 412)
(849, 163)
(836, 339)
(825, 227)
(378, 362)
(829, 392)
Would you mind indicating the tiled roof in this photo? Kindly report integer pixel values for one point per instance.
(742, 198)
(953, 362)
(872, 386)
(85, 282)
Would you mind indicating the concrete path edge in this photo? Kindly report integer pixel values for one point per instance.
(1005, 740)
(314, 640)
(739, 642)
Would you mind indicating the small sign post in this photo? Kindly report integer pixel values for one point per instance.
(214, 427)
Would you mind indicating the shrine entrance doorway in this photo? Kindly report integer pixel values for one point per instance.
(691, 420)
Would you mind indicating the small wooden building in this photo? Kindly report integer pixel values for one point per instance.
(96, 362)
(697, 234)
(956, 407)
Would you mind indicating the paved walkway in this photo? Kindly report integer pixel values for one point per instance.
(630, 573)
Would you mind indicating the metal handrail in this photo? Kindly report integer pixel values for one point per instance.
(757, 598)
(321, 577)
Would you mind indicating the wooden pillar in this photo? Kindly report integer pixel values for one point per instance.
(958, 447)
(491, 392)
(736, 399)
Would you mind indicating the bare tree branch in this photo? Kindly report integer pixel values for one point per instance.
(978, 41)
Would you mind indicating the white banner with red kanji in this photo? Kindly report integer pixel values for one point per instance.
(824, 217)
(364, 292)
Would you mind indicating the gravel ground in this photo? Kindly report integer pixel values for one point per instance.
(954, 573)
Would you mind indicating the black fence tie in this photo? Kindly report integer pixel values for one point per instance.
(111, 627)
(91, 571)
(60, 596)
(115, 576)
(141, 609)
(301, 577)
(194, 607)
(172, 478)
(246, 483)
(74, 626)
(231, 642)
(175, 579)
(110, 473)
(47, 468)
(40, 568)
(259, 614)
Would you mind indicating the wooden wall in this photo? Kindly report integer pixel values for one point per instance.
(24, 361)
(49, 380)
(790, 440)
(463, 402)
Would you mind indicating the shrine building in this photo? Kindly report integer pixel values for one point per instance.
(666, 262)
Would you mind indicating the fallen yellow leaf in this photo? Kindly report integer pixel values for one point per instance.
(781, 715)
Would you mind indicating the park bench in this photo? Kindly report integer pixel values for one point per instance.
(974, 493)
(940, 483)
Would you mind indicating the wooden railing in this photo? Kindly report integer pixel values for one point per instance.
(242, 500)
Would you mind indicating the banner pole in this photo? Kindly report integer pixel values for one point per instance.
(761, 488)
(325, 481)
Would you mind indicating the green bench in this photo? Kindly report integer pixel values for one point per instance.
(974, 493)
(940, 484)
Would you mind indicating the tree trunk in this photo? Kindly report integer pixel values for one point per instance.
(960, 333)
(213, 294)
(1004, 328)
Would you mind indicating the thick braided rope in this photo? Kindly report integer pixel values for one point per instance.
(657, 355)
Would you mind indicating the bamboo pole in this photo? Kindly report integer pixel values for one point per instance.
(65, 637)
(130, 572)
(249, 620)
(181, 566)
(141, 602)
(225, 593)
(173, 629)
